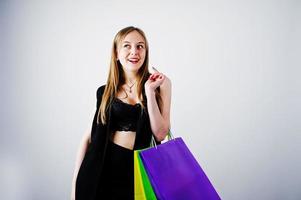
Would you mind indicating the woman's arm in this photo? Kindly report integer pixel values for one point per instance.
(84, 143)
(160, 121)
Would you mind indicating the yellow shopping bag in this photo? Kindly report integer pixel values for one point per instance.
(143, 187)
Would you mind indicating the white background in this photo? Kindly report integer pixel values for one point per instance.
(235, 73)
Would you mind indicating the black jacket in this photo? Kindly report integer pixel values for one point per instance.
(90, 172)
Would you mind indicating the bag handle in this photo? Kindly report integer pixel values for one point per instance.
(169, 137)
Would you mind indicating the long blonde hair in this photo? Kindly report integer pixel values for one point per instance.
(116, 76)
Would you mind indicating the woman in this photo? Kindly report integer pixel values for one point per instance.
(132, 107)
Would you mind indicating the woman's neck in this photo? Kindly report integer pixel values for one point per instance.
(130, 78)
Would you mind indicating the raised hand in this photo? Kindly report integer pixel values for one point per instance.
(155, 80)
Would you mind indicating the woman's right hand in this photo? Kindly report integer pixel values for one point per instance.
(73, 192)
(85, 141)
(154, 80)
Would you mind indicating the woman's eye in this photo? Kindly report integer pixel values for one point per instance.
(129, 46)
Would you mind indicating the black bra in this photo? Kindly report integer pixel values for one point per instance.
(124, 116)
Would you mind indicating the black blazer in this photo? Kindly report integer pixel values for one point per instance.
(90, 172)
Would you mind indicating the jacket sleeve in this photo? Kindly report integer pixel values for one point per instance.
(99, 94)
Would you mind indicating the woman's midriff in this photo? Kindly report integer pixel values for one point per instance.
(125, 139)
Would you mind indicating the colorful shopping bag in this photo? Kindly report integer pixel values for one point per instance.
(143, 188)
(175, 174)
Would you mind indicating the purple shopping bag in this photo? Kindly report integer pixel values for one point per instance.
(175, 174)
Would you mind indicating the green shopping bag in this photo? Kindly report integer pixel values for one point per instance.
(143, 187)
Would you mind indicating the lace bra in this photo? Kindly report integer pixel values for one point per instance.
(124, 116)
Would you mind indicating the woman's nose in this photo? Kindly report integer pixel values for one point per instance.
(134, 51)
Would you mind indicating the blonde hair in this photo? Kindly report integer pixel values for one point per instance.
(116, 76)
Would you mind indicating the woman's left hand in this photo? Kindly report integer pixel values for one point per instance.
(154, 81)
(159, 114)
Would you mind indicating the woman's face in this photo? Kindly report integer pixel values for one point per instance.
(131, 52)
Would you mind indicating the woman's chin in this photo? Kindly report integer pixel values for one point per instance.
(133, 67)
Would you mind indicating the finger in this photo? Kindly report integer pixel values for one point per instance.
(162, 77)
(157, 75)
(154, 75)
(151, 76)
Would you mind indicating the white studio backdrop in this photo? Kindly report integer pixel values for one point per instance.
(235, 73)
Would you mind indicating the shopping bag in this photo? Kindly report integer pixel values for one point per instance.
(142, 186)
(138, 185)
(175, 174)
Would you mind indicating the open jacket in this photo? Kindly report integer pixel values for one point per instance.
(90, 172)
